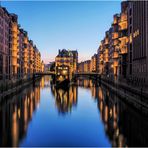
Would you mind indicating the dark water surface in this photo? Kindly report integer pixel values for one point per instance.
(83, 115)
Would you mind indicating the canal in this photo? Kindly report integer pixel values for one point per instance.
(83, 115)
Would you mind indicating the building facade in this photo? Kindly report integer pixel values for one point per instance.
(123, 53)
(66, 61)
(4, 44)
(14, 47)
(19, 57)
(138, 42)
(87, 66)
(31, 57)
(113, 50)
(93, 66)
(84, 66)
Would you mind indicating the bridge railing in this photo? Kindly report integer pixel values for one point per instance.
(44, 73)
(86, 73)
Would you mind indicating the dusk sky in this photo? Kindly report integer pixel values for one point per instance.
(70, 25)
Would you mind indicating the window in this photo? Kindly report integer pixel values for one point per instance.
(130, 57)
(130, 21)
(6, 65)
(130, 29)
(1, 64)
(130, 47)
(130, 12)
(130, 69)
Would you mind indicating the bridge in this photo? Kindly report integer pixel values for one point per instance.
(43, 73)
(86, 74)
(92, 75)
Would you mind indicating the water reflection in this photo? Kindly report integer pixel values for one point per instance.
(109, 110)
(65, 98)
(122, 124)
(15, 114)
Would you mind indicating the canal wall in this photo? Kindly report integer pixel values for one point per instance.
(138, 97)
(14, 86)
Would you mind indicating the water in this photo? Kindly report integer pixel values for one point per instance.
(83, 115)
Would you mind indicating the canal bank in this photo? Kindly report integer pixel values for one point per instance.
(137, 97)
(8, 87)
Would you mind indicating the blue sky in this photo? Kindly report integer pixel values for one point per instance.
(54, 25)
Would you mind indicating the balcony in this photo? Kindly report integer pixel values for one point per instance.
(14, 48)
(123, 25)
(31, 58)
(115, 55)
(101, 52)
(30, 66)
(25, 51)
(18, 65)
(14, 35)
(116, 63)
(14, 28)
(115, 35)
(14, 54)
(106, 56)
(101, 56)
(101, 62)
(106, 59)
(106, 51)
(14, 61)
(115, 21)
(31, 52)
(115, 42)
(123, 17)
(25, 56)
(15, 42)
(124, 50)
(106, 41)
(123, 41)
(25, 65)
(25, 59)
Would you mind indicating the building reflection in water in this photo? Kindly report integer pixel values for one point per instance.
(65, 98)
(15, 114)
(45, 82)
(123, 125)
